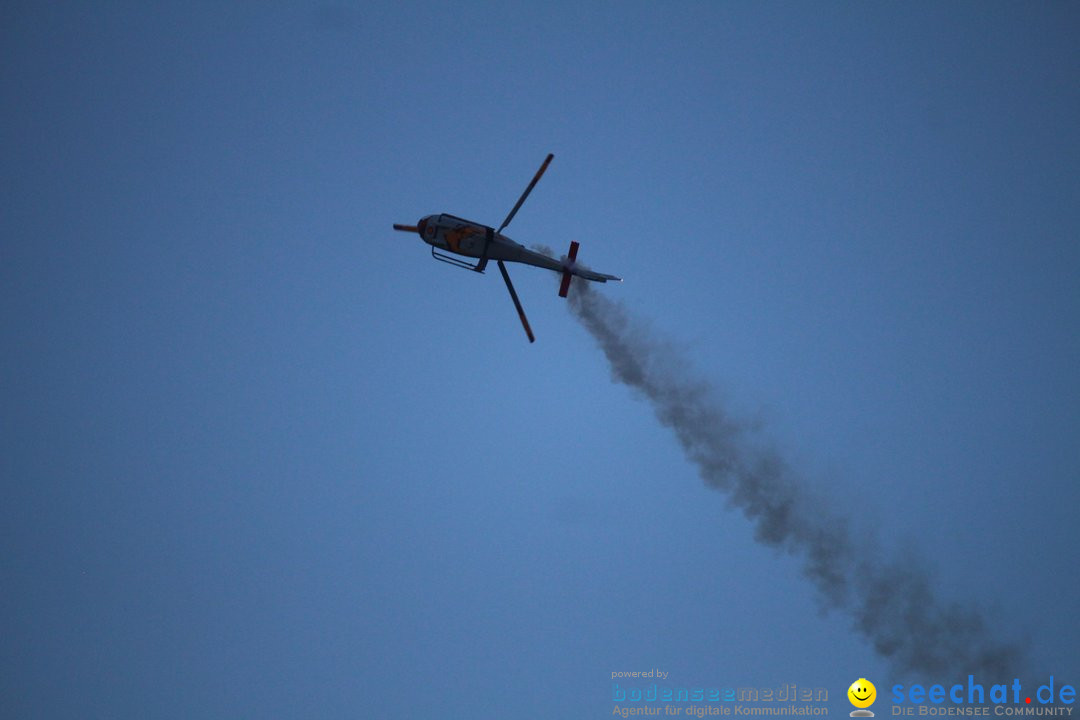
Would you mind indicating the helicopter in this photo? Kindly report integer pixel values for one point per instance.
(450, 234)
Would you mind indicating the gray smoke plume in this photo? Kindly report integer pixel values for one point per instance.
(891, 603)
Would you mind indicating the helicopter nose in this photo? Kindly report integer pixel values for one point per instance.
(421, 226)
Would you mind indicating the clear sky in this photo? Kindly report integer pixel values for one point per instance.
(260, 456)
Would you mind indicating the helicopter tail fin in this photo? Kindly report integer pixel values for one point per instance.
(568, 270)
(571, 268)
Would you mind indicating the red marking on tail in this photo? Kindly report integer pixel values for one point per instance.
(565, 287)
(571, 257)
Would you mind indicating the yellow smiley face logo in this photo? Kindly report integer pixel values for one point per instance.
(862, 693)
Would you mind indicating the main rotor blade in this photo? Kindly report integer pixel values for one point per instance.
(406, 228)
(536, 179)
(514, 297)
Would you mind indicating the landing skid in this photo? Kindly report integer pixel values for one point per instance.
(451, 260)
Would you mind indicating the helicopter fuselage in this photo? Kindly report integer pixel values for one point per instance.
(473, 239)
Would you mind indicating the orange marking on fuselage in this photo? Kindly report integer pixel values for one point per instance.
(454, 237)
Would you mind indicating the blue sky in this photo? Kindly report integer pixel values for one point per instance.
(261, 456)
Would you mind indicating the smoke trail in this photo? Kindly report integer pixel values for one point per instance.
(892, 603)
